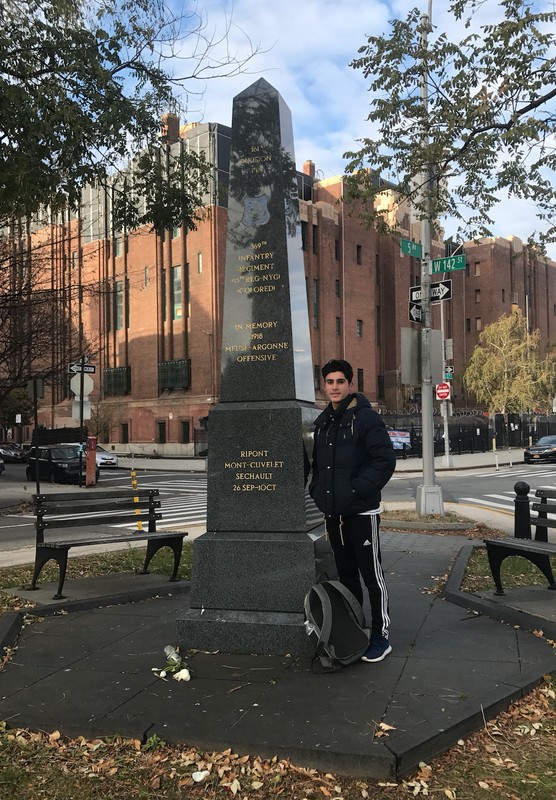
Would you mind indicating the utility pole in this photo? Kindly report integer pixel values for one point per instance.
(429, 494)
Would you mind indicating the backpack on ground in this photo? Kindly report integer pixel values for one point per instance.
(335, 624)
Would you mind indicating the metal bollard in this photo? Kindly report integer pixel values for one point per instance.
(522, 515)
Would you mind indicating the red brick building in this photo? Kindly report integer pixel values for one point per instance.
(148, 310)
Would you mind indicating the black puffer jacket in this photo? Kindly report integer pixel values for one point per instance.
(353, 458)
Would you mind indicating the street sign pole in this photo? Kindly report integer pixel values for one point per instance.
(429, 494)
(447, 460)
(81, 381)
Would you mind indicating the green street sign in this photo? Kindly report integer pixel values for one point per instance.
(448, 264)
(411, 248)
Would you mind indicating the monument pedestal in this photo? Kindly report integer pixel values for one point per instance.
(248, 591)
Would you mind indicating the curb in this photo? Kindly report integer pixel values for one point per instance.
(491, 608)
(391, 523)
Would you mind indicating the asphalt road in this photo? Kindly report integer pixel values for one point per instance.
(183, 494)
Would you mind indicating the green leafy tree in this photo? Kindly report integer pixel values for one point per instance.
(506, 371)
(84, 87)
(491, 119)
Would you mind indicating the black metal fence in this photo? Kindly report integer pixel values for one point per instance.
(475, 433)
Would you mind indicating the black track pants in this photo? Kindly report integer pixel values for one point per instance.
(356, 547)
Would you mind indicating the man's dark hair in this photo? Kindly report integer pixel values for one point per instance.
(338, 365)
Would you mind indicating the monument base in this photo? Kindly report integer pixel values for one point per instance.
(248, 591)
(256, 632)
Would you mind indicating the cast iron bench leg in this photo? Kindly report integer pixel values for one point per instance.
(542, 561)
(495, 558)
(43, 555)
(153, 546)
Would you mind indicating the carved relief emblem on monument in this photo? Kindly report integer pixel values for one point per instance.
(255, 211)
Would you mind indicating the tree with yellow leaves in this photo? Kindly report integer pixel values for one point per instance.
(506, 371)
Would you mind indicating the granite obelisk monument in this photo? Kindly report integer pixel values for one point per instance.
(260, 553)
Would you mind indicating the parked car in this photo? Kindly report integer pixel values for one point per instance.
(2, 467)
(57, 463)
(12, 454)
(105, 458)
(543, 450)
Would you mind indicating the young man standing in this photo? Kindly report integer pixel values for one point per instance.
(353, 459)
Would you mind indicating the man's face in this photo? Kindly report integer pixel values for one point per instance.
(337, 387)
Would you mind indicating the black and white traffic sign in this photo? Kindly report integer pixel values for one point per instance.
(441, 290)
(414, 312)
(79, 367)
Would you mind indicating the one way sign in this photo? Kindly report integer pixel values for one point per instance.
(442, 290)
(415, 312)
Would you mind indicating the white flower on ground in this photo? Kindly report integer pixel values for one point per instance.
(182, 675)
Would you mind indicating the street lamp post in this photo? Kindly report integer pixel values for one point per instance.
(429, 493)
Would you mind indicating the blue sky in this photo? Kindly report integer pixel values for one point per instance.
(307, 47)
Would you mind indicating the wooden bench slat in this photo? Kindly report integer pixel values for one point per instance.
(546, 492)
(59, 510)
(526, 545)
(543, 522)
(109, 494)
(81, 522)
(130, 537)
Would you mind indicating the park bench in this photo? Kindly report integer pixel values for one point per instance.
(56, 511)
(537, 550)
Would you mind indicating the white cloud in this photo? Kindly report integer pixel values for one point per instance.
(309, 45)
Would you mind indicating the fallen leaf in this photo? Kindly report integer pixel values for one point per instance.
(484, 785)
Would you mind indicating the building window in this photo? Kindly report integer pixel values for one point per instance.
(503, 295)
(359, 328)
(477, 268)
(146, 277)
(177, 308)
(337, 249)
(74, 259)
(118, 245)
(303, 235)
(124, 433)
(358, 254)
(174, 374)
(199, 263)
(477, 295)
(338, 326)
(316, 376)
(360, 381)
(163, 294)
(338, 292)
(118, 306)
(315, 303)
(161, 432)
(478, 324)
(175, 233)
(468, 325)
(116, 381)
(315, 239)
(184, 431)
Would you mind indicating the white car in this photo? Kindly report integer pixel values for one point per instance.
(105, 459)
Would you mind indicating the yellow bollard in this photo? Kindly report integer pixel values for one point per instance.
(136, 499)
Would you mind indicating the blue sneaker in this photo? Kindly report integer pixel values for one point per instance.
(378, 649)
